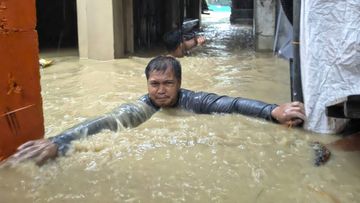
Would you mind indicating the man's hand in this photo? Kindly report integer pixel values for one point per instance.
(200, 40)
(38, 150)
(291, 114)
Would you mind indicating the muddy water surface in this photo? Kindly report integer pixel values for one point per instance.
(178, 156)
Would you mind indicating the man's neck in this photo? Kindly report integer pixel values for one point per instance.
(177, 53)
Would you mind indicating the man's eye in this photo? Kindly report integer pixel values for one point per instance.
(169, 83)
(154, 84)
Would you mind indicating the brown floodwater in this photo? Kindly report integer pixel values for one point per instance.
(178, 156)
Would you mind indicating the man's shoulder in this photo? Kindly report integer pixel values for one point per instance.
(186, 92)
(182, 90)
(187, 95)
(146, 99)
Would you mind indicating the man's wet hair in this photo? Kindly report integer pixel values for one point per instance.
(172, 39)
(161, 63)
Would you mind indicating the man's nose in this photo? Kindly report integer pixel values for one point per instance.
(161, 89)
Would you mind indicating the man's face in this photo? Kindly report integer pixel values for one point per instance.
(163, 87)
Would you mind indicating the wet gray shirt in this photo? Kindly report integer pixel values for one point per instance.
(133, 114)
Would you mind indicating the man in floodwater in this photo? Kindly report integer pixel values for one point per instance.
(178, 44)
(163, 75)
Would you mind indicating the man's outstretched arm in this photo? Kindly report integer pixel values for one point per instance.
(125, 116)
(193, 42)
(203, 102)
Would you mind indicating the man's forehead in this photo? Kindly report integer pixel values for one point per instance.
(160, 75)
(168, 70)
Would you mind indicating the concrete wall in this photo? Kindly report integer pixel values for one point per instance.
(82, 29)
(101, 28)
(264, 24)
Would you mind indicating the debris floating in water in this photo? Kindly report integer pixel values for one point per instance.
(45, 63)
(322, 154)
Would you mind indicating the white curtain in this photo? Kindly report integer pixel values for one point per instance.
(330, 58)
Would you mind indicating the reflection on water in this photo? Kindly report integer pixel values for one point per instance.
(177, 156)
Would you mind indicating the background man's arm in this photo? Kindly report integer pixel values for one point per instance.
(193, 42)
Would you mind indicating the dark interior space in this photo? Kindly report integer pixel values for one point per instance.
(191, 11)
(149, 22)
(57, 24)
(242, 11)
(243, 4)
(153, 18)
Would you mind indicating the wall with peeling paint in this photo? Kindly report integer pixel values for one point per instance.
(21, 116)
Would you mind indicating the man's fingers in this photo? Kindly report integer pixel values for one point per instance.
(293, 116)
(15, 160)
(42, 158)
(24, 151)
(296, 114)
(21, 157)
(26, 144)
(200, 40)
(28, 153)
(296, 103)
(295, 109)
(297, 122)
(38, 150)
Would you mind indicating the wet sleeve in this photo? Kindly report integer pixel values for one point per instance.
(206, 103)
(126, 116)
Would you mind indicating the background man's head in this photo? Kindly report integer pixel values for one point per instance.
(173, 41)
(163, 75)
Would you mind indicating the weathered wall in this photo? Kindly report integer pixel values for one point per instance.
(264, 24)
(21, 116)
